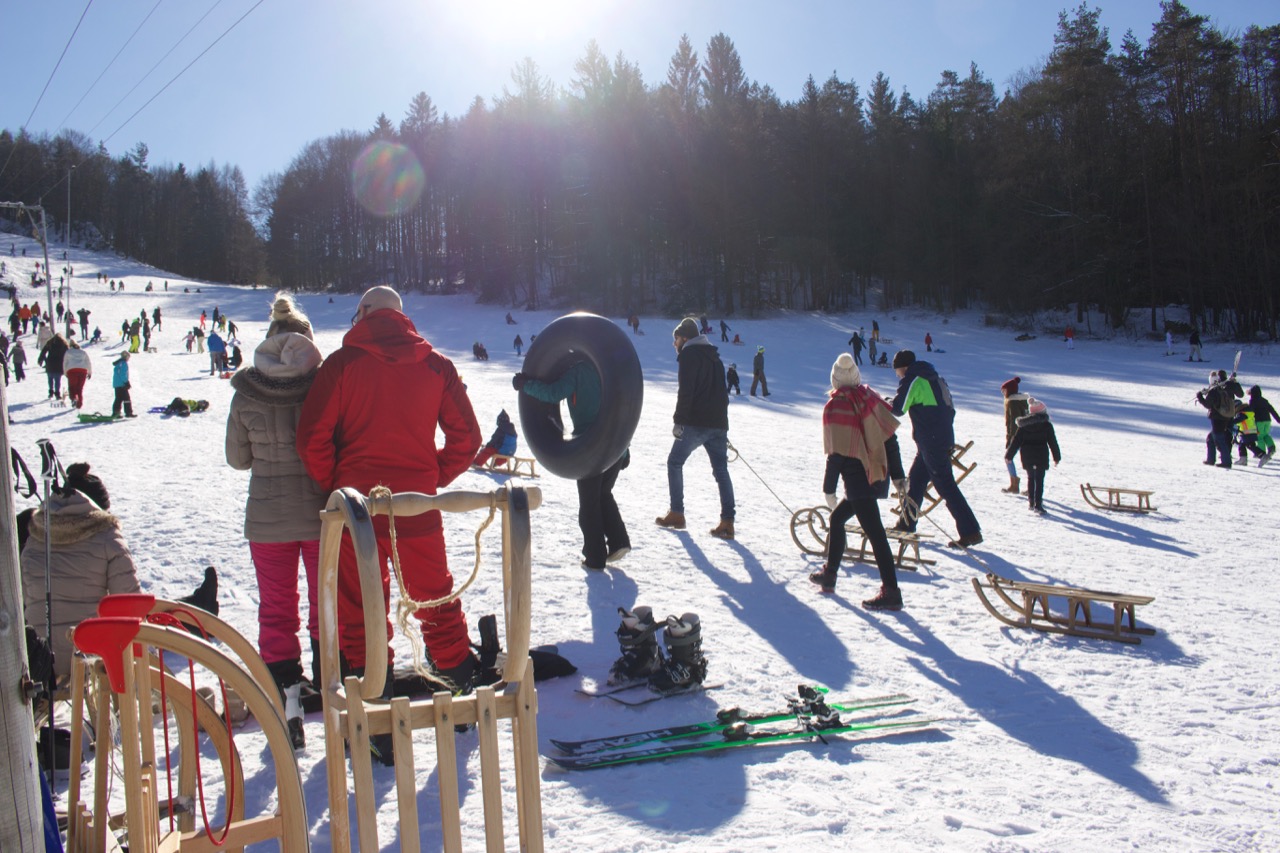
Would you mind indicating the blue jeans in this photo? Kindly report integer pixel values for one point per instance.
(716, 441)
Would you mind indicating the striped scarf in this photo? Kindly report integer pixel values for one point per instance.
(856, 422)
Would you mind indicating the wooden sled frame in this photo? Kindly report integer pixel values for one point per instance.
(931, 499)
(348, 714)
(87, 830)
(810, 528)
(517, 466)
(1033, 610)
(1116, 497)
(129, 674)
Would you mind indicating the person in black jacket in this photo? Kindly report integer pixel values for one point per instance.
(51, 359)
(701, 420)
(924, 395)
(1219, 398)
(757, 373)
(1035, 439)
(1263, 416)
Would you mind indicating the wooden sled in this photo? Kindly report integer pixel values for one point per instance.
(1033, 609)
(1117, 499)
(517, 466)
(931, 499)
(809, 530)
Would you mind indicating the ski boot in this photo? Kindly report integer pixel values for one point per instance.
(685, 667)
(641, 657)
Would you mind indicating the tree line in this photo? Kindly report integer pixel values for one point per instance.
(1126, 178)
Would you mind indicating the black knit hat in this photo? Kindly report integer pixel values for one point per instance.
(904, 358)
(79, 478)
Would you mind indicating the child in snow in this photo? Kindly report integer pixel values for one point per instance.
(120, 382)
(502, 443)
(1035, 439)
(518, 343)
(1015, 406)
(1246, 435)
(731, 379)
(1263, 416)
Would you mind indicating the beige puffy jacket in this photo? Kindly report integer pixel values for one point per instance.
(284, 502)
(89, 560)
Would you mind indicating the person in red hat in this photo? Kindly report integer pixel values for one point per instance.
(1015, 406)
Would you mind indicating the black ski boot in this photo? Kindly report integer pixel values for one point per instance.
(641, 657)
(685, 667)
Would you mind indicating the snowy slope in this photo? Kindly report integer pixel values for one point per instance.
(1049, 743)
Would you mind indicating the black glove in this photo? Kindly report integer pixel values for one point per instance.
(517, 381)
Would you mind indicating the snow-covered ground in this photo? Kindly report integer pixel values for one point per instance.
(1047, 742)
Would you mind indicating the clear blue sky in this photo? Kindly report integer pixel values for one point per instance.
(293, 71)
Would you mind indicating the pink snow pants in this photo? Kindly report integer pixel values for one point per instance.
(276, 564)
(426, 575)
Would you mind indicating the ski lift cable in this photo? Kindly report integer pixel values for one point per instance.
(56, 66)
(151, 70)
(98, 79)
(185, 69)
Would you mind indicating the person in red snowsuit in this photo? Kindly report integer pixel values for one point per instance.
(370, 419)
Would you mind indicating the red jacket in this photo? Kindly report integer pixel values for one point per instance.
(370, 417)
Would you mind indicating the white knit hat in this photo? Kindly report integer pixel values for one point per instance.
(380, 297)
(1036, 407)
(845, 373)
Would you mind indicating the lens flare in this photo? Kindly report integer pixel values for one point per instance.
(387, 178)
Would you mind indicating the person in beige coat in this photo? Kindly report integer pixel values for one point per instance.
(282, 513)
(88, 559)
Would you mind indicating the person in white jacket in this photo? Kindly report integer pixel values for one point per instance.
(78, 368)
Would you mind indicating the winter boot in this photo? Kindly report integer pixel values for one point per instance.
(293, 716)
(723, 530)
(673, 520)
(685, 667)
(1014, 485)
(641, 657)
(888, 599)
(826, 579)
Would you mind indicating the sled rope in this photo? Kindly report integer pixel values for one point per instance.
(761, 479)
(407, 606)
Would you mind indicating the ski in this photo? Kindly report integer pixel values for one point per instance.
(738, 735)
(609, 690)
(654, 697)
(724, 719)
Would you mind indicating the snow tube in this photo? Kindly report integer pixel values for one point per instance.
(565, 342)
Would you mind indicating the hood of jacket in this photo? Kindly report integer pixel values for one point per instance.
(388, 336)
(72, 518)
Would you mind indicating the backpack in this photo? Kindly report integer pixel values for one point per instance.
(1220, 402)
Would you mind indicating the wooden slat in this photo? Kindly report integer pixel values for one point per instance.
(406, 781)
(447, 773)
(361, 768)
(490, 772)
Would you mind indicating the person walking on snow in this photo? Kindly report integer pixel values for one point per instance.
(928, 342)
(1194, 341)
(604, 533)
(371, 418)
(1070, 336)
(217, 353)
(18, 358)
(1015, 406)
(1220, 399)
(1035, 439)
(51, 358)
(924, 395)
(701, 420)
(731, 380)
(860, 441)
(518, 343)
(857, 343)
(78, 369)
(757, 373)
(1264, 414)
(1168, 341)
(724, 332)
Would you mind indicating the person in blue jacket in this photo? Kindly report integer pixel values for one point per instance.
(924, 395)
(604, 533)
(120, 382)
(501, 444)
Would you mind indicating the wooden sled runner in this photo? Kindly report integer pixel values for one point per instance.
(517, 466)
(1033, 609)
(809, 530)
(1117, 499)
(931, 498)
